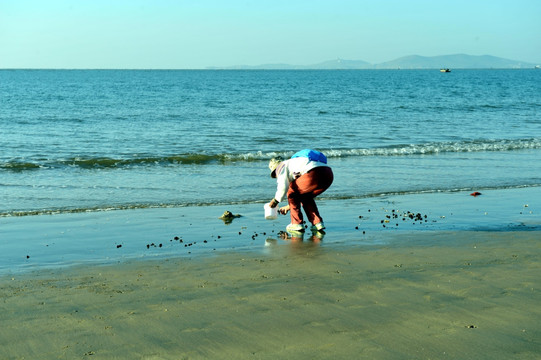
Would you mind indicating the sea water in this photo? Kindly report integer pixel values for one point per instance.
(102, 165)
(98, 140)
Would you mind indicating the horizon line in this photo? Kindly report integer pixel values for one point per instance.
(313, 66)
(259, 68)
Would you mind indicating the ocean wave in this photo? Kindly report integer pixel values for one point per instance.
(19, 166)
(441, 147)
(432, 148)
(107, 162)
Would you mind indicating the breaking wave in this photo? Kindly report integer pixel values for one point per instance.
(432, 148)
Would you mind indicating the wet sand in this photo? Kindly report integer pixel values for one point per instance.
(428, 295)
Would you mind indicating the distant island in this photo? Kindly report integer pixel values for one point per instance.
(457, 61)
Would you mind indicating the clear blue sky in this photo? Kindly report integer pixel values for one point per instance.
(200, 33)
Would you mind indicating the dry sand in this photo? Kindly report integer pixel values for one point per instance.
(465, 295)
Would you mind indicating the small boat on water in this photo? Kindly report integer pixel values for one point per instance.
(445, 70)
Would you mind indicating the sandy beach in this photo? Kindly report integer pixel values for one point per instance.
(458, 281)
(466, 295)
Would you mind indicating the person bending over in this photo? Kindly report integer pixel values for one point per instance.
(301, 178)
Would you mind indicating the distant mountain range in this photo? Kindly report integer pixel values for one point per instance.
(457, 61)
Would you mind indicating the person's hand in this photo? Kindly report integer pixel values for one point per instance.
(273, 203)
(284, 210)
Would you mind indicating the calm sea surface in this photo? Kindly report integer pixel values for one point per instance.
(93, 140)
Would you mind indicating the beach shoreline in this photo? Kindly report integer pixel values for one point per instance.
(33, 243)
(425, 276)
(456, 295)
(113, 247)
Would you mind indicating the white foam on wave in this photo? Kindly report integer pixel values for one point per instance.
(406, 149)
